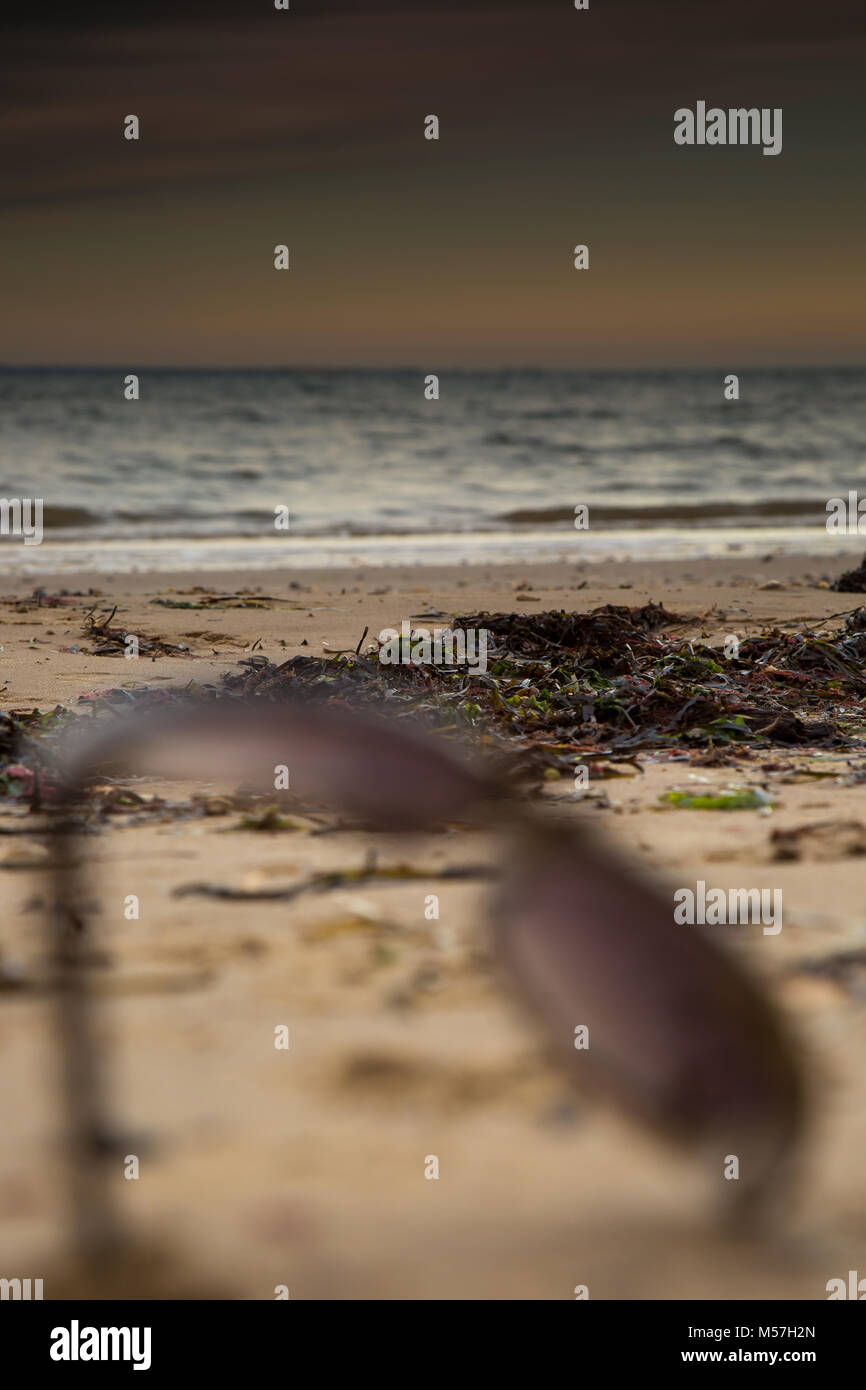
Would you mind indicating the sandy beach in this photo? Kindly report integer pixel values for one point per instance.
(305, 1168)
(338, 961)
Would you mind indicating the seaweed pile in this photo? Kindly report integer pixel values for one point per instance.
(609, 681)
(112, 641)
(852, 581)
(558, 684)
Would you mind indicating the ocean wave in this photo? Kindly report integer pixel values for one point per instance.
(55, 517)
(710, 512)
(503, 439)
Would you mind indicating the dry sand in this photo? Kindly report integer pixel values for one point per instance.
(306, 1167)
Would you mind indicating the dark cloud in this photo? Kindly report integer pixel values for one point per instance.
(224, 93)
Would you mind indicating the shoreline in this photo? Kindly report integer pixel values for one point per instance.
(422, 549)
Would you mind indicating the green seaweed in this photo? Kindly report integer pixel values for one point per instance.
(730, 799)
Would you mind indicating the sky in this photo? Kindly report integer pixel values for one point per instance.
(261, 127)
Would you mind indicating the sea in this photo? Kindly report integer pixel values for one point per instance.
(362, 469)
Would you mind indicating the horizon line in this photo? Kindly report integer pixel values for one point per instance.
(426, 369)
